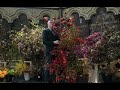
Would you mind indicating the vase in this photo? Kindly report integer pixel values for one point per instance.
(94, 75)
(26, 76)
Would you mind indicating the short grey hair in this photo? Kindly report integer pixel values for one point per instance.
(51, 20)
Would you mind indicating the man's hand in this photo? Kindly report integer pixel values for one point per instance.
(56, 42)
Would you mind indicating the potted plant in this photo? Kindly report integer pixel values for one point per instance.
(22, 68)
(29, 44)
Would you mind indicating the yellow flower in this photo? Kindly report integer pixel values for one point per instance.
(5, 72)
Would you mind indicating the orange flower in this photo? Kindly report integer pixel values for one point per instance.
(3, 72)
(2, 75)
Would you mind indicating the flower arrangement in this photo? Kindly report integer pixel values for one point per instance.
(66, 65)
(29, 43)
(91, 48)
(102, 46)
(21, 67)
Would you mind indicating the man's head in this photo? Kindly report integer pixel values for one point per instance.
(50, 23)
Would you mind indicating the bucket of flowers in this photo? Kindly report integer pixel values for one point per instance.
(22, 68)
(3, 73)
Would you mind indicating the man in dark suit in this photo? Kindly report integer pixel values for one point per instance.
(50, 41)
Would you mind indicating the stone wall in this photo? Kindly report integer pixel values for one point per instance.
(16, 17)
(11, 13)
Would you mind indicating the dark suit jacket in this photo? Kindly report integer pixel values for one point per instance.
(48, 38)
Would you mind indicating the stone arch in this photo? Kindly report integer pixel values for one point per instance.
(93, 12)
(4, 15)
(72, 10)
(20, 21)
(45, 12)
(92, 18)
(76, 18)
(20, 11)
(113, 9)
(82, 20)
(7, 18)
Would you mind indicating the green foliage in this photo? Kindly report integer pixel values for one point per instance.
(21, 67)
(11, 72)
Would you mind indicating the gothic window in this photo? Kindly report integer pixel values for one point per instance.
(4, 37)
(80, 21)
(19, 22)
(76, 17)
(83, 28)
(4, 28)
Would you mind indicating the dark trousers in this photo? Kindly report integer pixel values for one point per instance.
(48, 78)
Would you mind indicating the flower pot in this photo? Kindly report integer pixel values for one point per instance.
(26, 76)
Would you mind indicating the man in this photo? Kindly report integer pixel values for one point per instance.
(50, 40)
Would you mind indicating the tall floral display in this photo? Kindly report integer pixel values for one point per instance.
(102, 47)
(66, 65)
(29, 43)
